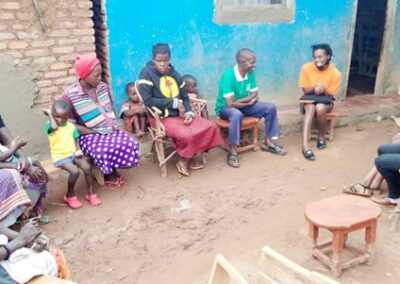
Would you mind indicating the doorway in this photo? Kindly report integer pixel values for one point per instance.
(367, 47)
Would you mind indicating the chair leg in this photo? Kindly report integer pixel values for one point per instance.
(161, 158)
(255, 138)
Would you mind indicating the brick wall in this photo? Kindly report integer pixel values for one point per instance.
(48, 54)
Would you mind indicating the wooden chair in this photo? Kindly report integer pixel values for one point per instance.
(162, 145)
(248, 123)
(331, 117)
(341, 215)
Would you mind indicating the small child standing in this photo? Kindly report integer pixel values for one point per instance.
(62, 136)
(133, 112)
(191, 88)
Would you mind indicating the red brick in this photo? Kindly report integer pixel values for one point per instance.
(6, 16)
(28, 35)
(14, 54)
(65, 81)
(48, 90)
(83, 32)
(37, 52)
(85, 48)
(60, 33)
(87, 39)
(10, 5)
(55, 74)
(44, 60)
(67, 41)
(6, 36)
(18, 45)
(43, 83)
(60, 66)
(3, 45)
(63, 50)
(83, 13)
(67, 24)
(85, 4)
(43, 43)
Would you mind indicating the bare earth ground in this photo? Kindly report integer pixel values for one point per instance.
(139, 234)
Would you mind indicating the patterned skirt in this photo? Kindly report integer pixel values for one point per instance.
(200, 136)
(12, 194)
(110, 151)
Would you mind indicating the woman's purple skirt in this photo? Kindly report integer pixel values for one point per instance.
(111, 151)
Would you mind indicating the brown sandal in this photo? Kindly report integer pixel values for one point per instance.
(354, 189)
(196, 165)
(181, 169)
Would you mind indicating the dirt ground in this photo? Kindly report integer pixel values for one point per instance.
(143, 234)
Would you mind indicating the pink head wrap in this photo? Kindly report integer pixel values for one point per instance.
(84, 64)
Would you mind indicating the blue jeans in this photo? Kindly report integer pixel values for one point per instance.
(388, 165)
(260, 110)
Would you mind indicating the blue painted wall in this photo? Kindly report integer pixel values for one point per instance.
(205, 49)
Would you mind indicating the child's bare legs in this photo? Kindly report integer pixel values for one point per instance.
(142, 123)
(322, 111)
(84, 165)
(73, 171)
(136, 123)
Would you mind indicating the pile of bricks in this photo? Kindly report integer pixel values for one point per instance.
(49, 54)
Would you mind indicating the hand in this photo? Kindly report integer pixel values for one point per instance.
(319, 89)
(47, 111)
(28, 233)
(79, 153)
(40, 244)
(188, 119)
(142, 111)
(36, 174)
(23, 164)
(181, 108)
(253, 101)
(18, 143)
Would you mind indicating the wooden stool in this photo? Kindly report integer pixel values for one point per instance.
(248, 123)
(331, 117)
(342, 214)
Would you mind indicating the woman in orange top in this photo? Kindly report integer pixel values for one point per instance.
(320, 82)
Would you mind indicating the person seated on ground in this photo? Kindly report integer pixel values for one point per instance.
(92, 113)
(161, 86)
(62, 137)
(372, 182)
(320, 81)
(133, 112)
(388, 165)
(32, 175)
(238, 97)
(24, 255)
(191, 88)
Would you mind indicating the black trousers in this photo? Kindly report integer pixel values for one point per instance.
(388, 164)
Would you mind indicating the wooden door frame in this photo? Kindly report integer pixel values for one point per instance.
(387, 43)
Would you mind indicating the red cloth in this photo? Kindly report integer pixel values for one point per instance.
(198, 137)
(128, 121)
(84, 64)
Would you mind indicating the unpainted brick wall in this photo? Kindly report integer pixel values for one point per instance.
(48, 54)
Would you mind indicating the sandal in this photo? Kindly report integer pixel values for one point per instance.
(112, 184)
(309, 155)
(196, 165)
(122, 181)
(93, 199)
(321, 144)
(182, 170)
(232, 160)
(352, 189)
(274, 149)
(73, 202)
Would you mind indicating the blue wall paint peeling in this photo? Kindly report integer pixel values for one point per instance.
(205, 49)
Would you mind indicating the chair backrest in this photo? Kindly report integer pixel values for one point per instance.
(198, 105)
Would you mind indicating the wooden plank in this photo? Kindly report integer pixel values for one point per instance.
(223, 272)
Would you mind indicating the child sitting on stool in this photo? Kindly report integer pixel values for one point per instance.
(62, 136)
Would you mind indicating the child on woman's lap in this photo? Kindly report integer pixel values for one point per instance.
(62, 136)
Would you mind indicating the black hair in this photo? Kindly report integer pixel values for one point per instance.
(161, 48)
(323, 46)
(127, 86)
(241, 52)
(188, 77)
(61, 105)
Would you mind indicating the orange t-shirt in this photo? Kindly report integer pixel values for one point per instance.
(310, 76)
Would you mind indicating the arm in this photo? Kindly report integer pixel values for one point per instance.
(6, 139)
(83, 130)
(53, 123)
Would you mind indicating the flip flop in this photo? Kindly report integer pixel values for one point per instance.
(196, 165)
(181, 169)
(309, 155)
(274, 149)
(93, 199)
(112, 184)
(321, 144)
(73, 202)
(232, 160)
(384, 201)
(122, 181)
(352, 189)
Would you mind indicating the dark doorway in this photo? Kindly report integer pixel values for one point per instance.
(367, 46)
